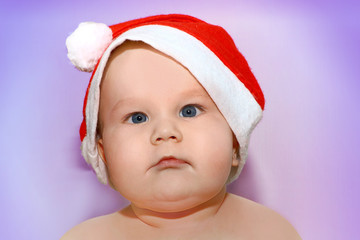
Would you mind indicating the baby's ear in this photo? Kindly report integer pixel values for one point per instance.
(236, 149)
(235, 159)
(100, 148)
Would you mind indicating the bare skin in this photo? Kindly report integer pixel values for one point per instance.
(234, 218)
(181, 197)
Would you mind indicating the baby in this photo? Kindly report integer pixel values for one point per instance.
(170, 130)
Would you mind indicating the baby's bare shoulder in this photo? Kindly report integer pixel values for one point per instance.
(94, 228)
(259, 221)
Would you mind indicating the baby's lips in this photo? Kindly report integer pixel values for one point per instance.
(169, 161)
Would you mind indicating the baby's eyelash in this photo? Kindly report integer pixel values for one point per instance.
(188, 111)
(191, 110)
(136, 117)
(199, 107)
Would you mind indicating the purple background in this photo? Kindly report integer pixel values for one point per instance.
(304, 157)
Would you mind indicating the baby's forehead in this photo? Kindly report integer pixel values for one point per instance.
(137, 58)
(130, 45)
(135, 62)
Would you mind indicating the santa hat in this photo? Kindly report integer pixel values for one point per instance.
(206, 50)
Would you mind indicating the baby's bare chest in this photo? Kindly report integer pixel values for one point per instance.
(206, 233)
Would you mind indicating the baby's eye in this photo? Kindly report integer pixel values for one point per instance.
(137, 118)
(190, 111)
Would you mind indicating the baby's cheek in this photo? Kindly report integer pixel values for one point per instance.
(123, 153)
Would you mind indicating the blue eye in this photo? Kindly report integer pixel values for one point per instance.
(138, 118)
(190, 111)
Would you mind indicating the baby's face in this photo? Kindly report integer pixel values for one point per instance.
(166, 145)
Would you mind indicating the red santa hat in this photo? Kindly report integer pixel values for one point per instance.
(206, 50)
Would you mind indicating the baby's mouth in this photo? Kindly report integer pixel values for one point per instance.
(170, 162)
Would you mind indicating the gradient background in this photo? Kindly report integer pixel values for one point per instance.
(304, 157)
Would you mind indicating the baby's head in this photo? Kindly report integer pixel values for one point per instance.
(160, 134)
(177, 99)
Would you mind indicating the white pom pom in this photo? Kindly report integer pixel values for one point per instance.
(87, 43)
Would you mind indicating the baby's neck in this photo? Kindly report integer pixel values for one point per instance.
(194, 217)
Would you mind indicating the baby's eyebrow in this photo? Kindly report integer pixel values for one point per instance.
(184, 94)
(122, 102)
(194, 93)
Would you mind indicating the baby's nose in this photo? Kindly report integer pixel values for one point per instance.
(166, 130)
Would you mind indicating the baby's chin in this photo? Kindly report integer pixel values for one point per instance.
(177, 201)
(176, 207)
